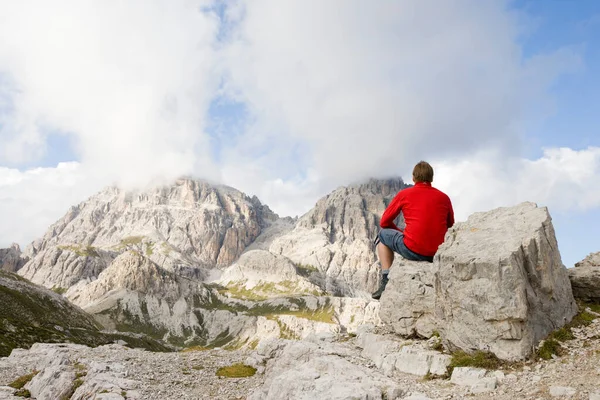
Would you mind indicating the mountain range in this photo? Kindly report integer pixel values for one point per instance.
(195, 263)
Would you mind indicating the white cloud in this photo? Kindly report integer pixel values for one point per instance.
(562, 179)
(130, 80)
(335, 92)
(33, 200)
(371, 88)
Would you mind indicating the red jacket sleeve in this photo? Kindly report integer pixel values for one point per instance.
(450, 214)
(392, 211)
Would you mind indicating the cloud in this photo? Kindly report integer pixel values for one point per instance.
(33, 200)
(368, 89)
(131, 81)
(562, 179)
(321, 96)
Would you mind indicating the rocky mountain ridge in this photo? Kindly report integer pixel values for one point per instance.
(31, 314)
(195, 263)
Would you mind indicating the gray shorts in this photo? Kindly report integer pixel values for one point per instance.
(395, 240)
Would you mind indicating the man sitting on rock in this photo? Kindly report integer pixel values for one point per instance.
(428, 215)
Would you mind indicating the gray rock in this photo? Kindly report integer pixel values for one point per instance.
(32, 313)
(408, 303)
(383, 352)
(595, 395)
(53, 382)
(416, 396)
(141, 261)
(307, 371)
(11, 259)
(498, 285)
(477, 379)
(562, 391)
(6, 393)
(585, 282)
(150, 375)
(393, 355)
(418, 361)
(267, 275)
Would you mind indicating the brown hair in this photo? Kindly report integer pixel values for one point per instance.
(423, 172)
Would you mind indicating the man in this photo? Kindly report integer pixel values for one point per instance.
(428, 215)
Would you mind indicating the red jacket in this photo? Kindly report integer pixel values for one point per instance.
(428, 214)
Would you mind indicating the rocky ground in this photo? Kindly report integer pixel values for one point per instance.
(135, 374)
(328, 365)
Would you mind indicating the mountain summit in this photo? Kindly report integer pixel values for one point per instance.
(187, 228)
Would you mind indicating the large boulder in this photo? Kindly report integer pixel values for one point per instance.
(496, 284)
(585, 278)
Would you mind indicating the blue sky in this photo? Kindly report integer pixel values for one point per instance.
(559, 23)
(288, 103)
(575, 120)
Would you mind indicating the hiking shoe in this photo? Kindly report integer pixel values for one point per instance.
(379, 292)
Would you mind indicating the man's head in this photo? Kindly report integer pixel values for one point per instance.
(423, 172)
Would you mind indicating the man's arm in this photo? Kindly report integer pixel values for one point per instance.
(391, 212)
(450, 219)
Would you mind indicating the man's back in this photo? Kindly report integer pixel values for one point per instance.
(428, 215)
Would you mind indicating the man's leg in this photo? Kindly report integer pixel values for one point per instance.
(386, 256)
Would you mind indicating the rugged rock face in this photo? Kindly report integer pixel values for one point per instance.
(250, 302)
(585, 278)
(10, 259)
(336, 237)
(496, 284)
(31, 314)
(187, 228)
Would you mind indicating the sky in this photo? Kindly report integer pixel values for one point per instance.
(289, 100)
